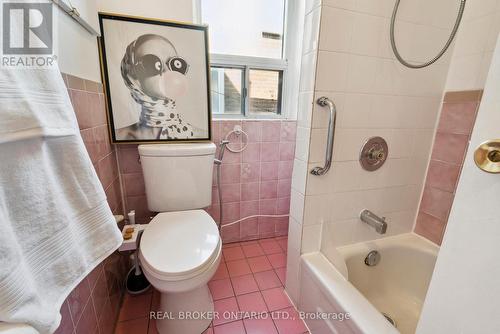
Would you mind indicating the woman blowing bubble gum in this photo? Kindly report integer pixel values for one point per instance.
(156, 76)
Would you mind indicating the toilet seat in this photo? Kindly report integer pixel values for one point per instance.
(179, 245)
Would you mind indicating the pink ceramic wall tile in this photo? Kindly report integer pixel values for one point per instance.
(91, 86)
(66, 325)
(98, 114)
(287, 151)
(269, 170)
(129, 160)
(213, 211)
(243, 174)
(250, 191)
(106, 319)
(268, 206)
(215, 195)
(231, 192)
(455, 125)
(93, 305)
(284, 187)
(113, 195)
(230, 173)
(81, 105)
(88, 321)
(228, 126)
(216, 132)
(430, 227)
(93, 276)
(249, 229)
(270, 152)
(100, 294)
(253, 130)
(285, 169)
(78, 298)
(250, 172)
(90, 144)
(283, 206)
(268, 189)
(271, 131)
(436, 202)
(267, 227)
(281, 226)
(231, 212)
(450, 147)
(251, 153)
(231, 157)
(108, 169)
(249, 208)
(102, 140)
(288, 131)
(443, 175)
(139, 204)
(75, 82)
(133, 184)
(458, 117)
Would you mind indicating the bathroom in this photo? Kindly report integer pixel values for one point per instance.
(337, 173)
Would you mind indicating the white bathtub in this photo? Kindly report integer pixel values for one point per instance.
(396, 286)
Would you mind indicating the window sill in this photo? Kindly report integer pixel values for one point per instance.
(249, 118)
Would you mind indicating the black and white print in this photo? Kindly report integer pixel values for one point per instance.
(156, 79)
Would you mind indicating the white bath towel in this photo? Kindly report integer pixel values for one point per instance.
(55, 223)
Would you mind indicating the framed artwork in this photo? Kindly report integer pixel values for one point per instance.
(156, 79)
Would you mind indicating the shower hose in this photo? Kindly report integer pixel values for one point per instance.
(219, 192)
(443, 50)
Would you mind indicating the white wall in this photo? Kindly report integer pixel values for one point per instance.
(77, 48)
(178, 10)
(463, 296)
(474, 46)
(347, 57)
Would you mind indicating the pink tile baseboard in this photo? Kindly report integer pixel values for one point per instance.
(255, 181)
(456, 122)
(92, 307)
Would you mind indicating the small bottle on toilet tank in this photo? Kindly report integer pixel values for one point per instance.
(131, 217)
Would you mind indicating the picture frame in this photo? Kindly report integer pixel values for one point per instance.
(156, 79)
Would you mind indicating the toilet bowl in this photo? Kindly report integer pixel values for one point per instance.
(180, 252)
(180, 249)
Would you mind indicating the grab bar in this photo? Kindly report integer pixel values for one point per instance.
(324, 101)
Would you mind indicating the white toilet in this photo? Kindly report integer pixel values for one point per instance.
(180, 249)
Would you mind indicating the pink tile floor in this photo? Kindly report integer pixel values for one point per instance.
(250, 278)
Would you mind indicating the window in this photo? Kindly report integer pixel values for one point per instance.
(247, 61)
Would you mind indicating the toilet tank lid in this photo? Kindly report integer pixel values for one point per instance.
(176, 150)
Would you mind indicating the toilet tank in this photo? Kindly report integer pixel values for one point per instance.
(178, 176)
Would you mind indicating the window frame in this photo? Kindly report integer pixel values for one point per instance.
(248, 63)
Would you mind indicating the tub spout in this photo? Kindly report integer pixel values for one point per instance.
(374, 221)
